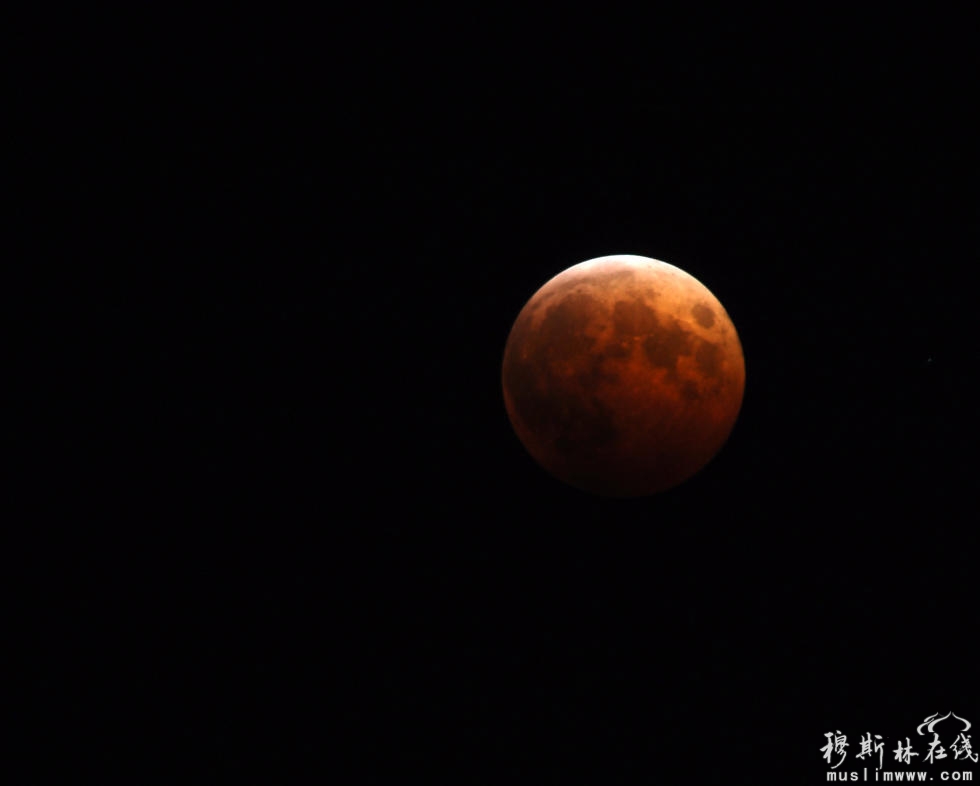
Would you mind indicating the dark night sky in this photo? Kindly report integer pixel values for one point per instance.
(295, 497)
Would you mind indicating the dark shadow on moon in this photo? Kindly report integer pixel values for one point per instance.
(704, 315)
(566, 411)
(564, 381)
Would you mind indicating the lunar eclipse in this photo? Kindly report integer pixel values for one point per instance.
(623, 376)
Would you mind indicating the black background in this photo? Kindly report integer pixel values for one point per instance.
(288, 509)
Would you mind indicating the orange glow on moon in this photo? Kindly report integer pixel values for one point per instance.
(623, 376)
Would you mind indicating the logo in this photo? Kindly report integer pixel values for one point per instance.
(949, 741)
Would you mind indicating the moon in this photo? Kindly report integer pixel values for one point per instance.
(623, 376)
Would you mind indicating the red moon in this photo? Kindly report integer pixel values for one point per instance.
(623, 376)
